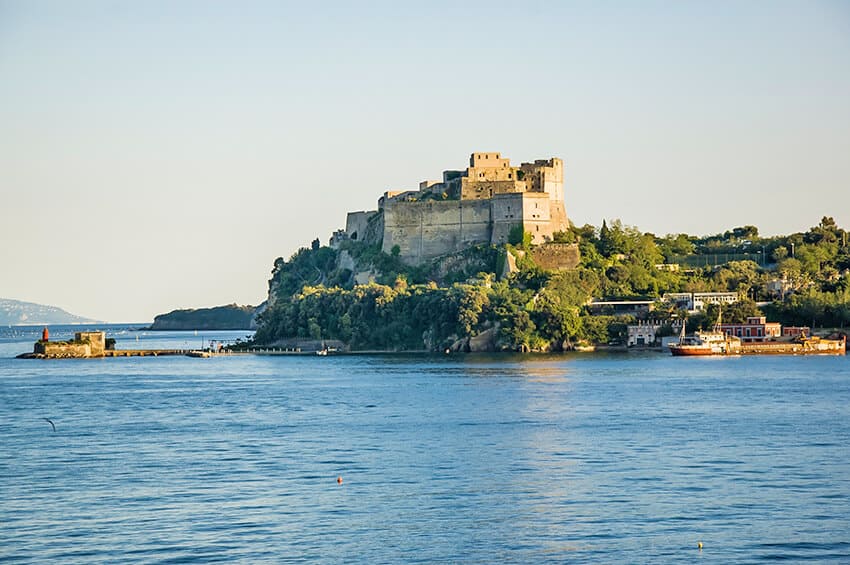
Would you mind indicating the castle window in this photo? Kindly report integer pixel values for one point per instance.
(509, 176)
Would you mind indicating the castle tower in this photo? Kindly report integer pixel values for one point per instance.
(488, 175)
(547, 175)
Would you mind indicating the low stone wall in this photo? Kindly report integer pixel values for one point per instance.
(59, 349)
(556, 256)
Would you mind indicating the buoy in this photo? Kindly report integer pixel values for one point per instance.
(339, 482)
(699, 545)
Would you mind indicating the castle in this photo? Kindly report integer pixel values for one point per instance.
(481, 204)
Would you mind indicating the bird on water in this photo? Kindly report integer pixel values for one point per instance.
(51, 423)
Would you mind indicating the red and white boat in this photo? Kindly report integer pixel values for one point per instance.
(714, 342)
(705, 343)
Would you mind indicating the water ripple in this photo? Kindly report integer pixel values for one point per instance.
(478, 458)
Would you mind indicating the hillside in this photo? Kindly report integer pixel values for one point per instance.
(503, 297)
(229, 317)
(19, 313)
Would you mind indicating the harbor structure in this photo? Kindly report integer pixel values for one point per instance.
(84, 345)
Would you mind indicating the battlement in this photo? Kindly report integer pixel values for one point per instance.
(488, 160)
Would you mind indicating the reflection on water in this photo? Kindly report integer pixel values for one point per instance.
(444, 458)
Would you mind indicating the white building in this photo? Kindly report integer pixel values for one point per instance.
(697, 301)
(646, 332)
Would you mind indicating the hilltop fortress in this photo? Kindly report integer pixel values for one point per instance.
(481, 204)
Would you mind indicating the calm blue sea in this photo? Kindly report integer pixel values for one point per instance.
(631, 458)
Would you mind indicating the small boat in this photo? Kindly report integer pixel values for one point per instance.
(714, 342)
(705, 343)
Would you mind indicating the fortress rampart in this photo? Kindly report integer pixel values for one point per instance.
(424, 230)
(479, 205)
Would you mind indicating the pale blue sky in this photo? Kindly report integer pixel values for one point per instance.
(157, 155)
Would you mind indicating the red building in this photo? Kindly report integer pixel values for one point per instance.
(795, 331)
(757, 328)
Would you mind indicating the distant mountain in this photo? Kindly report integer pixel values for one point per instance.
(18, 313)
(230, 317)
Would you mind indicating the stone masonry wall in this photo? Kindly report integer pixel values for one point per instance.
(425, 230)
(536, 218)
(356, 224)
(556, 256)
(96, 341)
(531, 209)
(61, 349)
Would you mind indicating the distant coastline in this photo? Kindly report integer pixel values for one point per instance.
(228, 317)
(21, 313)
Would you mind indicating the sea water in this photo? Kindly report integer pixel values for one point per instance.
(459, 458)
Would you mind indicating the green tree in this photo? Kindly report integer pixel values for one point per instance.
(518, 237)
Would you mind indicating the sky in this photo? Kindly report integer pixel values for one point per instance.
(161, 154)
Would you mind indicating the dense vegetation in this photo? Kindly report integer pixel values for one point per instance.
(230, 317)
(802, 278)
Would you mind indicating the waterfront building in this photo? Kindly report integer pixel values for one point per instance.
(645, 332)
(756, 329)
(697, 301)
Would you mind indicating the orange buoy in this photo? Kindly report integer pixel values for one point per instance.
(339, 480)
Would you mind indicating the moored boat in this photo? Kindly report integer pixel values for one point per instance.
(717, 342)
(714, 342)
(801, 345)
(706, 343)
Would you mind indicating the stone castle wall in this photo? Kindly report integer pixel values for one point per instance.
(530, 209)
(424, 230)
(356, 224)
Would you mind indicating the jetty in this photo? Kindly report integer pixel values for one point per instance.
(93, 345)
(146, 352)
